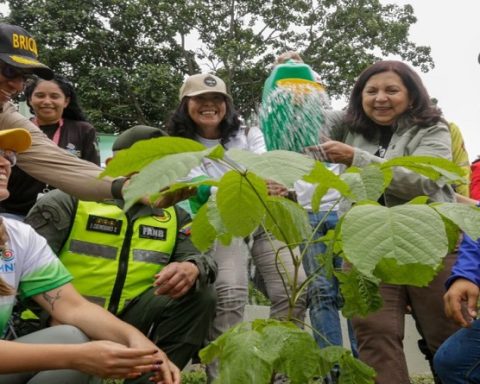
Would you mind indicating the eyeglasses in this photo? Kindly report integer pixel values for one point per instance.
(10, 72)
(9, 155)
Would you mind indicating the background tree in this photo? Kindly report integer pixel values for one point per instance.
(128, 58)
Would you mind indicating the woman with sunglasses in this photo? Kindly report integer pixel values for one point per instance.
(58, 114)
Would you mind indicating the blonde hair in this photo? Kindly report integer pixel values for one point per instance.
(289, 55)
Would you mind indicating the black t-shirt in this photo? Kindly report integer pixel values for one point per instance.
(384, 140)
(386, 134)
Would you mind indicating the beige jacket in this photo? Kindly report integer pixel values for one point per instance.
(407, 140)
(52, 165)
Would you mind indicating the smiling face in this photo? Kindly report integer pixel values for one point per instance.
(207, 111)
(48, 102)
(385, 98)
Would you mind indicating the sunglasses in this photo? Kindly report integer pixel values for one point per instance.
(10, 72)
(9, 155)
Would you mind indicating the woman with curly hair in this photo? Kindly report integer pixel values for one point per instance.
(206, 114)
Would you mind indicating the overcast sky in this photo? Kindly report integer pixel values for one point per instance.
(452, 30)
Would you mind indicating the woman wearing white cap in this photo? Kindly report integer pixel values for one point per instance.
(206, 114)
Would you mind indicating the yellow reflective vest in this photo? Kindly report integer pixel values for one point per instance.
(113, 260)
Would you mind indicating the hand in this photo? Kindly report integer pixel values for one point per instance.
(176, 279)
(166, 373)
(108, 359)
(461, 302)
(172, 198)
(333, 152)
(167, 199)
(276, 189)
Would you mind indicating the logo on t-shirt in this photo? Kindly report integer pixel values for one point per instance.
(7, 265)
(6, 255)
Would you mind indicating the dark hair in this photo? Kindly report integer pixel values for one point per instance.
(72, 111)
(422, 111)
(180, 123)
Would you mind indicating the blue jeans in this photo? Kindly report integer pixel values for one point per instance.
(458, 358)
(324, 298)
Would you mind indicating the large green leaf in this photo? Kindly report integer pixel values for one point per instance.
(282, 166)
(287, 221)
(360, 293)
(215, 347)
(142, 153)
(324, 180)
(435, 168)
(392, 272)
(239, 200)
(294, 351)
(408, 234)
(353, 371)
(215, 220)
(203, 233)
(160, 174)
(466, 217)
(365, 183)
(244, 360)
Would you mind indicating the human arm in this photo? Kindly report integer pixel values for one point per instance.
(255, 140)
(48, 163)
(123, 351)
(46, 280)
(462, 294)
(407, 140)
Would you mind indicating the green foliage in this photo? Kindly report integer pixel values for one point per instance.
(194, 377)
(271, 346)
(325, 179)
(128, 58)
(360, 293)
(373, 235)
(404, 244)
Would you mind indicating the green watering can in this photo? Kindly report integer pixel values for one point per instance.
(292, 115)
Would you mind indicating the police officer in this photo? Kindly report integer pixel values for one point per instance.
(140, 265)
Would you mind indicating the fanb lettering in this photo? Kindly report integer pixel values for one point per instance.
(24, 42)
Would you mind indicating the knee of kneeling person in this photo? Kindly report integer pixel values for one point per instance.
(69, 334)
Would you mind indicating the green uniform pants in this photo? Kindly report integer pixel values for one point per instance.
(177, 326)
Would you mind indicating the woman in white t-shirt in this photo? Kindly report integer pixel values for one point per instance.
(206, 114)
(62, 353)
